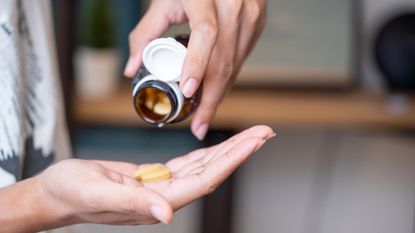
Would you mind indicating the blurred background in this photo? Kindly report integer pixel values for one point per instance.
(334, 78)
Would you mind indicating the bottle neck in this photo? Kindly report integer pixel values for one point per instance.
(157, 102)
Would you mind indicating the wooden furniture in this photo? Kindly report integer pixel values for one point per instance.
(246, 107)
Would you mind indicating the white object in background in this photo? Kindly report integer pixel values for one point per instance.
(97, 72)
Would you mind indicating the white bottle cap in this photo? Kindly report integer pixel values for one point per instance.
(164, 59)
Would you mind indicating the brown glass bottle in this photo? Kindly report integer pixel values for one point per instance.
(156, 93)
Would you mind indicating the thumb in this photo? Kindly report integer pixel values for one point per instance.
(152, 25)
(151, 204)
(140, 201)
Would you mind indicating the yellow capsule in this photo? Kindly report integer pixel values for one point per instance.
(150, 168)
(162, 108)
(149, 104)
(165, 99)
(156, 175)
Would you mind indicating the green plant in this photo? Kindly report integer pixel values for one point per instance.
(97, 24)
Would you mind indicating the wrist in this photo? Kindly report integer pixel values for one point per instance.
(54, 212)
(25, 207)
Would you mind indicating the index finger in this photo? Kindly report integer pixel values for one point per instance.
(203, 25)
(151, 26)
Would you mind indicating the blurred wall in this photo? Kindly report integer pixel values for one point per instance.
(324, 181)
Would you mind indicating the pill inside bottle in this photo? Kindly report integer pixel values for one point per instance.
(154, 104)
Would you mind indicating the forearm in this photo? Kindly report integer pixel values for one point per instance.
(24, 207)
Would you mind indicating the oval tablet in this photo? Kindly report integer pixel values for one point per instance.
(156, 175)
(150, 168)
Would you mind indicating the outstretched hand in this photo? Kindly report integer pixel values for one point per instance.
(200, 172)
(105, 192)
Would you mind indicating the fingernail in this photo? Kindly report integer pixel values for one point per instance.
(130, 66)
(189, 87)
(157, 213)
(270, 136)
(201, 131)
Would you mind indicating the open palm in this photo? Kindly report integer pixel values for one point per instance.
(201, 171)
(105, 191)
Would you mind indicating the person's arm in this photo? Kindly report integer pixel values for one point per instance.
(81, 191)
(223, 33)
(76, 191)
(25, 208)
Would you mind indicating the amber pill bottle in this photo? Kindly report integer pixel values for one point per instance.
(156, 94)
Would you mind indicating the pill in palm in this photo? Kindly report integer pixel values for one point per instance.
(153, 167)
(157, 175)
(152, 172)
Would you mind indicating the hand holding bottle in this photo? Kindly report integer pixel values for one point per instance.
(223, 32)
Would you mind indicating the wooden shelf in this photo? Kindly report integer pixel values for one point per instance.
(243, 108)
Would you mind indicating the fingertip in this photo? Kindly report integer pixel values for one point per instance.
(189, 87)
(147, 201)
(162, 214)
(200, 131)
(272, 135)
(264, 128)
(263, 131)
(132, 65)
(169, 217)
(169, 214)
(161, 209)
(202, 119)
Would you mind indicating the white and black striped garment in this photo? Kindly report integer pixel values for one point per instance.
(32, 131)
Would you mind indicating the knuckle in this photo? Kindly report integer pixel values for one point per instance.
(129, 206)
(177, 16)
(254, 13)
(224, 71)
(234, 9)
(208, 29)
